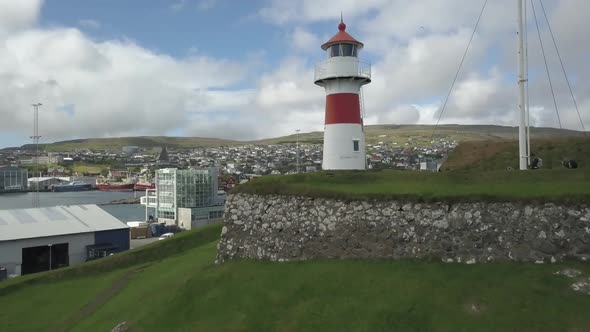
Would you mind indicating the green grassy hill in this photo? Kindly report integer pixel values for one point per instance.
(173, 285)
(486, 156)
(117, 143)
(414, 134)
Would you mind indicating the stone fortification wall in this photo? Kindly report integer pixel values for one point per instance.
(285, 228)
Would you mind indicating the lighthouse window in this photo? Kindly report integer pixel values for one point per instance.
(347, 49)
(342, 50)
(335, 50)
(355, 145)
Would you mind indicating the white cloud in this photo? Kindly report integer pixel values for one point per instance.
(416, 46)
(290, 87)
(179, 5)
(403, 20)
(398, 114)
(202, 5)
(305, 11)
(89, 23)
(207, 4)
(113, 87)
(304, 41)
(17, 15)
(474, 93)
(117, 87)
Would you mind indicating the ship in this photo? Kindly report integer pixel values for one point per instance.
(115, 186)
(145, 181)
(141, 186)
(72, 186)
(110, 184)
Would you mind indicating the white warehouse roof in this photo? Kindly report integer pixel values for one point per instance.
(47, 178)
(57, 220)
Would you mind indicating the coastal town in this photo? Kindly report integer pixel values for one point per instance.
(169, 189)
(238, 163)
(208, 165)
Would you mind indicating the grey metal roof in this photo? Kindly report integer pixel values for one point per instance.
(11, 169)
(57, 220)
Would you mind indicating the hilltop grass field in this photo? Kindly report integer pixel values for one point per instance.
(562, 185)
(482, 156)
(173, 285)
(474, 171)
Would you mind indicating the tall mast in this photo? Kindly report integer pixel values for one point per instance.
(522, 141)
(526, 75)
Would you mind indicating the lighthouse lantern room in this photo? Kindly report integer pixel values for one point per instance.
(342, 75)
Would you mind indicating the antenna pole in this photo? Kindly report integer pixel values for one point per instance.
(522, 141)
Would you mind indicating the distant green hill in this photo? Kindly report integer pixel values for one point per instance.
(116, 143)
(419, 135)
(415, 135)
(173, 285)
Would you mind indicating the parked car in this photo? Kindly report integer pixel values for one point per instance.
(165, 236)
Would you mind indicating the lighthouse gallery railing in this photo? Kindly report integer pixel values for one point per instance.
(342, 67)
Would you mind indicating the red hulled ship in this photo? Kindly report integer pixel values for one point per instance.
(115, 186)
(111, 184)
(140, 186)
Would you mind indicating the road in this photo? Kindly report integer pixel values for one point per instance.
(136, 243)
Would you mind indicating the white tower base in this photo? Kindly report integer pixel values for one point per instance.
(339, 148)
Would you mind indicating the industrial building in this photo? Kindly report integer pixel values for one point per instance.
(13, 179)
(40, 239)
(188, 198)
(45, 183)
(431, 166)
(50, 158)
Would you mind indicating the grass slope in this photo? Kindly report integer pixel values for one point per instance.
(555, 185)
(486, 156)
(415, 135)
(173, 285)
(82, 168)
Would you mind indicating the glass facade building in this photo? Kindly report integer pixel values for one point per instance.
(188, 188)
(13, 179)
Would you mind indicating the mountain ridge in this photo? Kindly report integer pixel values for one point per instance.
(387, 133)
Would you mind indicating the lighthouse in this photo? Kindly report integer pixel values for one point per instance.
(342, 75)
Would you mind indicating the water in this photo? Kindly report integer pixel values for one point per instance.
(124, 212)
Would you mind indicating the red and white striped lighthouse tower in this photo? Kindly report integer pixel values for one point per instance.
(342, 74)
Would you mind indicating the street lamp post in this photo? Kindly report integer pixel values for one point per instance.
(35, 138)
(297, 131)
(49, 256)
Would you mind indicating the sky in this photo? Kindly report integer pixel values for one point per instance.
(244, 69)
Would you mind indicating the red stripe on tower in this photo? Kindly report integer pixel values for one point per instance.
(343, 108)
